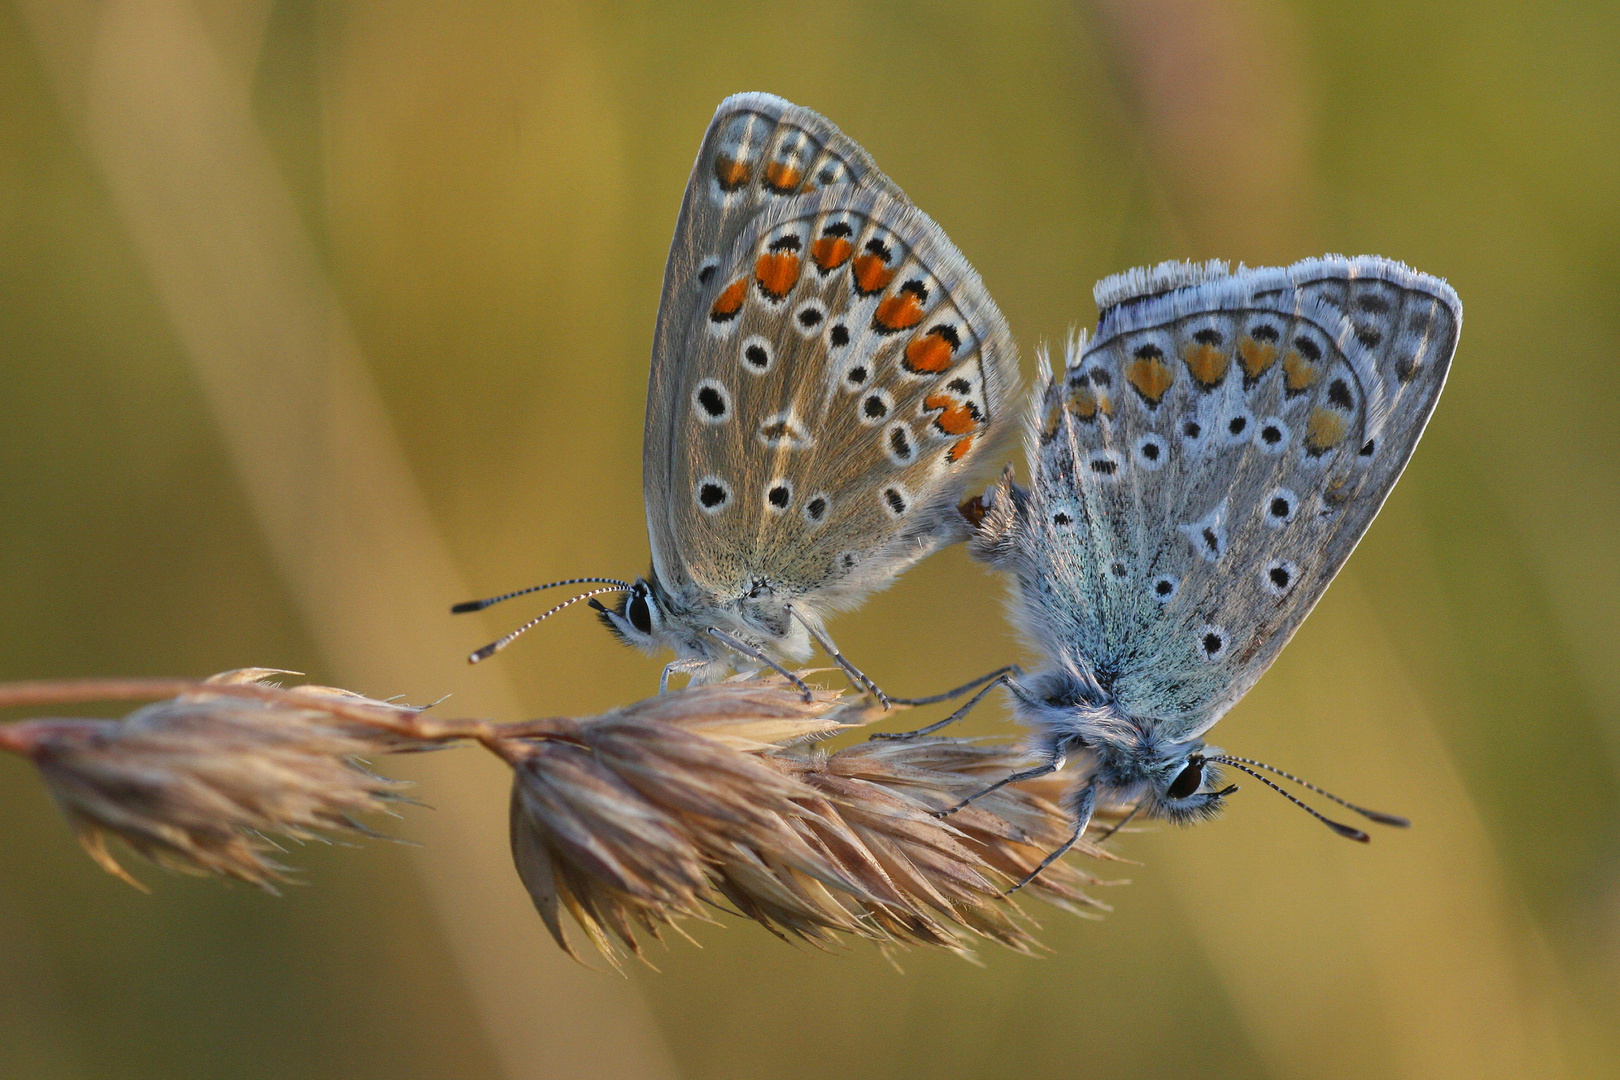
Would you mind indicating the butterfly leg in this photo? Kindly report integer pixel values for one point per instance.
(856, 675)
(1010, 669)
(684, 666)
(752, 653)
(1083, 806)
(1049, 768)
(990, 681)
(1120, 824)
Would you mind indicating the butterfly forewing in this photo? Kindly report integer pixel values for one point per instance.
(758, 152)
(1208, 461)
(844, 374)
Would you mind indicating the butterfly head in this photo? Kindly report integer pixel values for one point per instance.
(1186, 787)
(1131, 761)
(638, 619)
(1177, 782)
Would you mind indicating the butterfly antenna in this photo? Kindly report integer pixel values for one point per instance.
(1371, 815)
(1349, 832)
(500, 643)
(480, 605)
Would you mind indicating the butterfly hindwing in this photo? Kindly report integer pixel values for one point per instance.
(1206, 463)
(758, 152)
(842, 378)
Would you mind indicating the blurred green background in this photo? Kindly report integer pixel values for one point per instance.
(316, 317)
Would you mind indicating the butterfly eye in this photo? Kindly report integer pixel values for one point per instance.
(638, 612)
(1187, 780)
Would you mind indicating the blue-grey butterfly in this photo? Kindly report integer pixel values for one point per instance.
(827, 374)
(1200, 470)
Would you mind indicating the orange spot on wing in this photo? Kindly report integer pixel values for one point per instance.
(777, 272)
(929, 352)
(1150, 377)
(728, 303)
(1206, 362)
(959, 450)
(899, 312)
(782, 177)
(1087, 403)
(1325, 429)
(1256, 357)
(1054, 420)
(956, 417)
(1338, 492)
(871, 275)
(731, 173)
(1299, 373)
(830, 252)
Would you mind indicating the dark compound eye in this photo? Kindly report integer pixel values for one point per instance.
(637, 611)
(1187, 780)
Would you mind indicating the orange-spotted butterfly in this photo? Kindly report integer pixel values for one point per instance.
(1200, 469)
(828, 375)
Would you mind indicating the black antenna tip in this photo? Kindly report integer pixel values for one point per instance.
(593, 602)
(1386, 819)
(1349, 832)
(469, 605)
(482, 654)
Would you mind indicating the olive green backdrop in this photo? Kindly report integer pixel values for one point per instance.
(316, 317)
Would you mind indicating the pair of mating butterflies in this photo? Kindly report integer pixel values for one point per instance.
(829, 375)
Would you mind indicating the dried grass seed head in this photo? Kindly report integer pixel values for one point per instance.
(200, 783)
(713, 797)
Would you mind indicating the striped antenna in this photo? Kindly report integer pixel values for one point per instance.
(1372, 815)
(480, 605)
(1347, 831)
(496, 646)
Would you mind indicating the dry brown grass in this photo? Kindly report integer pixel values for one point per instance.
(695, 802)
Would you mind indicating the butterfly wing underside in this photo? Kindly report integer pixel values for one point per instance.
(1209, 460)
(823, 385)
(758, 151)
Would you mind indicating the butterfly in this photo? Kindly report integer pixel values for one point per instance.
(1200, 470)
(828, 373)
